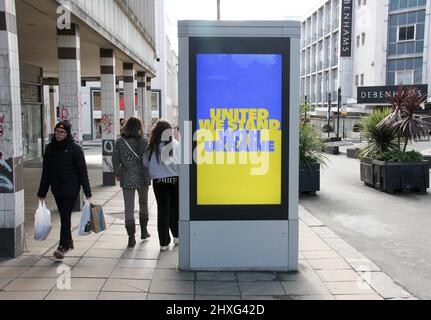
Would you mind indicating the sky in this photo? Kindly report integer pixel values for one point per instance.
(235, 10)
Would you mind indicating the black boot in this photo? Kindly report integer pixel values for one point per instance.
(131, 230)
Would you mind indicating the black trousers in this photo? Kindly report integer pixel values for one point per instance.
(167, 197)
(65, 206)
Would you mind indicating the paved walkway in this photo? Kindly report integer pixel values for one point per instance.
(102, 267)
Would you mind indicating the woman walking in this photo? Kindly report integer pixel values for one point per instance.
(163, 162)
(133, 176)
(65, 171)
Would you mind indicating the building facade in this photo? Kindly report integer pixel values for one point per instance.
(166, 84)
(365, 44)
(63, 45)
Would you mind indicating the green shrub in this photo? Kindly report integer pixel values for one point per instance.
(398, 156)
(310, 145)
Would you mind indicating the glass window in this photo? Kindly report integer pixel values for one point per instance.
(418, 77)
(411, 17)
(393, 35)
(413, 3)
(421, 16)
(403, 4)
(410, 47)
(418, 63)
(404, 77)
(391, 78)
(392, 49)
(419, 46)
(401, 48)
(406, 33)
(392, 65)
(400, 64)
(402, 19)
(394, 5)
(420, 31)
(393, 20)
(422, 2)
(410, 64)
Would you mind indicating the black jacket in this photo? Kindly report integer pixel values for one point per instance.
(65, 170)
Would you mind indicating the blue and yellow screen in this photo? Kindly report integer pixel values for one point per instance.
(239, 122)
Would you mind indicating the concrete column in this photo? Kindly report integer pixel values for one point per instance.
(129, 90)
(141, 96)
(52, 109)
(148, 106)
(69, 78)
(117, 97)
(11, 151)
(110, 119)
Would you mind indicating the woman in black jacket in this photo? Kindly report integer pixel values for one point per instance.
(65, 171)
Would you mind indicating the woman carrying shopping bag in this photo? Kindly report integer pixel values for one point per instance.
(162, 158)
(65, 171)
(133, 176)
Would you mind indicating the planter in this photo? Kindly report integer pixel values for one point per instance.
(352, 153)
(332, 150)
(367, 172)
(391, 177)
(332, 140)
(309, 178)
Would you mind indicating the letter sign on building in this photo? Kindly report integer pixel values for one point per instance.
(346, 28)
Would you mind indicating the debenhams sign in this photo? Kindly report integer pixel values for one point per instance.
(346, 28)
(383, 95)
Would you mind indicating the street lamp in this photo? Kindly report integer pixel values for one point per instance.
(218, 9)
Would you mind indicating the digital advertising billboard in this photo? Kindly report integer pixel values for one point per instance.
(239, 125)
(239, 105)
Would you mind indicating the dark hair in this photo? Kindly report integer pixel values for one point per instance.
(156, 138)
(133, 129)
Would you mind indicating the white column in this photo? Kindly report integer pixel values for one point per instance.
(129, 90)
(11, 152)
(69, 78)
(110, 119)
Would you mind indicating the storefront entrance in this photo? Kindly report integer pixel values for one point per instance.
(32, 112)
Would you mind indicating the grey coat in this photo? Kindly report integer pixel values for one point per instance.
(127, 167)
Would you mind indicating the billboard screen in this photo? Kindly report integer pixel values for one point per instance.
(239, 129)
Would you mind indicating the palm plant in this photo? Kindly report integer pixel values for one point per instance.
(311, 146)
(402, 121)
(380, 139)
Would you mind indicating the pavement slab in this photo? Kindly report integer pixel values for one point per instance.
(102, 267)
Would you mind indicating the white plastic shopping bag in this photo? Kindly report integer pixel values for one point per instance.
(85, 222)
(42, 222)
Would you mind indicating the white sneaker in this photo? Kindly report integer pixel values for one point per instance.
(165, 248)
(176, 241)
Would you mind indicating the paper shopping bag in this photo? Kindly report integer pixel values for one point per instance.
(98, 223)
